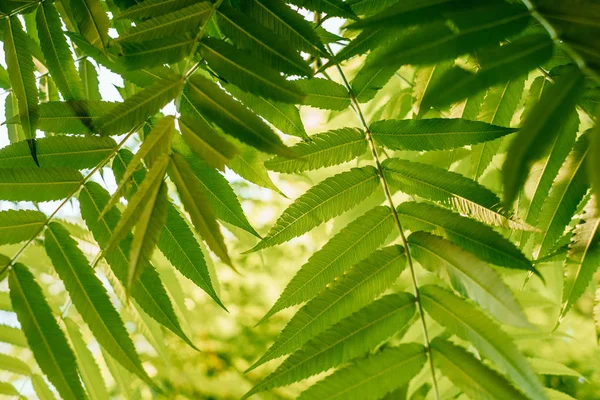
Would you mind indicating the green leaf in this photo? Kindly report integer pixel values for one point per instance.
(153, 8)
(21, 74)
(260, 42)
(450, 189)
(334, 8)
(147, 191)
(583, 257)
(324, 150)
(470, 324)
(355, 289)
(137, 108)
(468, 275)
(89, 79)
(247, 72)
(434, 134)
(285, 23)
(38, 184)
(557, 395)
(323, 93)
(76, 117)
(473, 377)
(498, 108)
(560, 205)
(8, 389)
(402, 13)
(195, 202)
(148, 292)
(593, 163)
(150, 53)
(373, 377)
(15, 130)
(147, 232)
(250, 165)
(473, 236)
(349, 338)
(550, 367)
(324, 201)
(88, 368)
(496, 65)
(372, 77)
(472, 27)
(282, 116)
(14, 365)
(352, 244)
(206, 98)
(176, 242)
(538, 131)
(57, 53)
(58, 151)
(220, 195)
(156, 143)
(180, 21)
(12, 335)
(20, 225)
(92, 21)
(213, 149)
(46, 340)
(90, 298)
(41, 388)
(368, 39)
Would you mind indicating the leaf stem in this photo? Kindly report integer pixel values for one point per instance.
(69, 197)
(388, 195)
(199, 36)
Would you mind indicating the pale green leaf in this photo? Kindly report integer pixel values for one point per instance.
(351, 245)
(195, 202)
(57, 53)
(349, 338)
(498, 108)
(569, 188)
(45, 338)
(14, 365)
(207, 98)
(324, 150)
(447, 188)
(41, 388)
(88, 368)
(58, 151)
(147, 232)
(12, 335)
(21, 74)
(434, 134)
(551, 367)
(468, 275)
(92, 21)
(200, 137)
(583, 257)
(176, 242)
(38, 184)
(149, 292)
(89, 79)
(137, 108)
(538, 131)
(248, 73)
(8, 389)
(250, 165)
(323, 93)
(468, 323)
(473, 377)
(349, 293)
(13, 123)
(220, 195)
(19, 225)
(372, 77)
(373, 377)
(90, 297)
(324, 201)
(471, 235)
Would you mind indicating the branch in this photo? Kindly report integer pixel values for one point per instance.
(388, 196)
